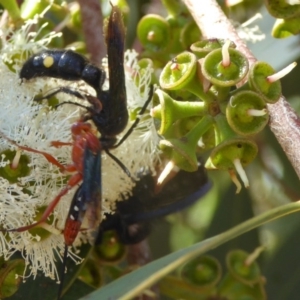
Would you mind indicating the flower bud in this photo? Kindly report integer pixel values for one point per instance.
(176, 288)
(110, 251)
(154, 32)
(282, 9)
(181, 73)
(225, 67)
(247, 113)
(270, 91)
(283, 28)
(202, 48)
(18, 166)
(182, 151)
(238, 267)
(230, 288)
(189, 34)
(204, 272)
(232, 153)
(169, 110)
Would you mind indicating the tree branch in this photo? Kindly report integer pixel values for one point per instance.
(92, 24)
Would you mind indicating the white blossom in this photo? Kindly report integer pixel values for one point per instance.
(35, 125)
(250, 34)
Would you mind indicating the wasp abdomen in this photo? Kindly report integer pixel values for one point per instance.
(65, 64)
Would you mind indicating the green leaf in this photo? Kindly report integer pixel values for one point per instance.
(134, 283)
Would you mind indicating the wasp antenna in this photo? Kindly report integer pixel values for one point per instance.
(137, 120)
(120, 164)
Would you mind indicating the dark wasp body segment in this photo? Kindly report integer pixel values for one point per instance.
(69, 65)
(65, 64)
(86, 202)
(115, 104)
(108, 109)
(147, 203)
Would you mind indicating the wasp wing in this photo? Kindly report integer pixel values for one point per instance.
(91, 187)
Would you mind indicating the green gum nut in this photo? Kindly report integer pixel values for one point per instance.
(207, 141)
(175, 43)
(224, 72)
(182, 152)
(154, 32)
(221, 93)
(12, 174)
(204, 272)
(230, 288)
(181, 73)
(11, 277)
(176, 288)
(202, 48)
(224, 155)
(284, 28)
(169, 110)
(240, 269)
(281, 9)
(110, 251)
(189, 34)
(232, 153)
(258, 80)
(247, 113)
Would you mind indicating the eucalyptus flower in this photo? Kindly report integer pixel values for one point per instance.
(250, 34)
(28, 182)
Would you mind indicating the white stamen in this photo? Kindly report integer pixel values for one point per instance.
(151, 35)
(252, 20)
(16, 160)
(257, 112)
(200, 143)
(225, 54)
(282, 73)
(230, 102)
(166, 171)
(235, 181)
(254, 255)
(241, 172)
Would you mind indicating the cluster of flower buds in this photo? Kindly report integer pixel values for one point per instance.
(163, 37)
(287, 13)
(202, 278)
(218, 116)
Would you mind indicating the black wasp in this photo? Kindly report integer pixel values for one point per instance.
(133, 216)
(108, 112)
